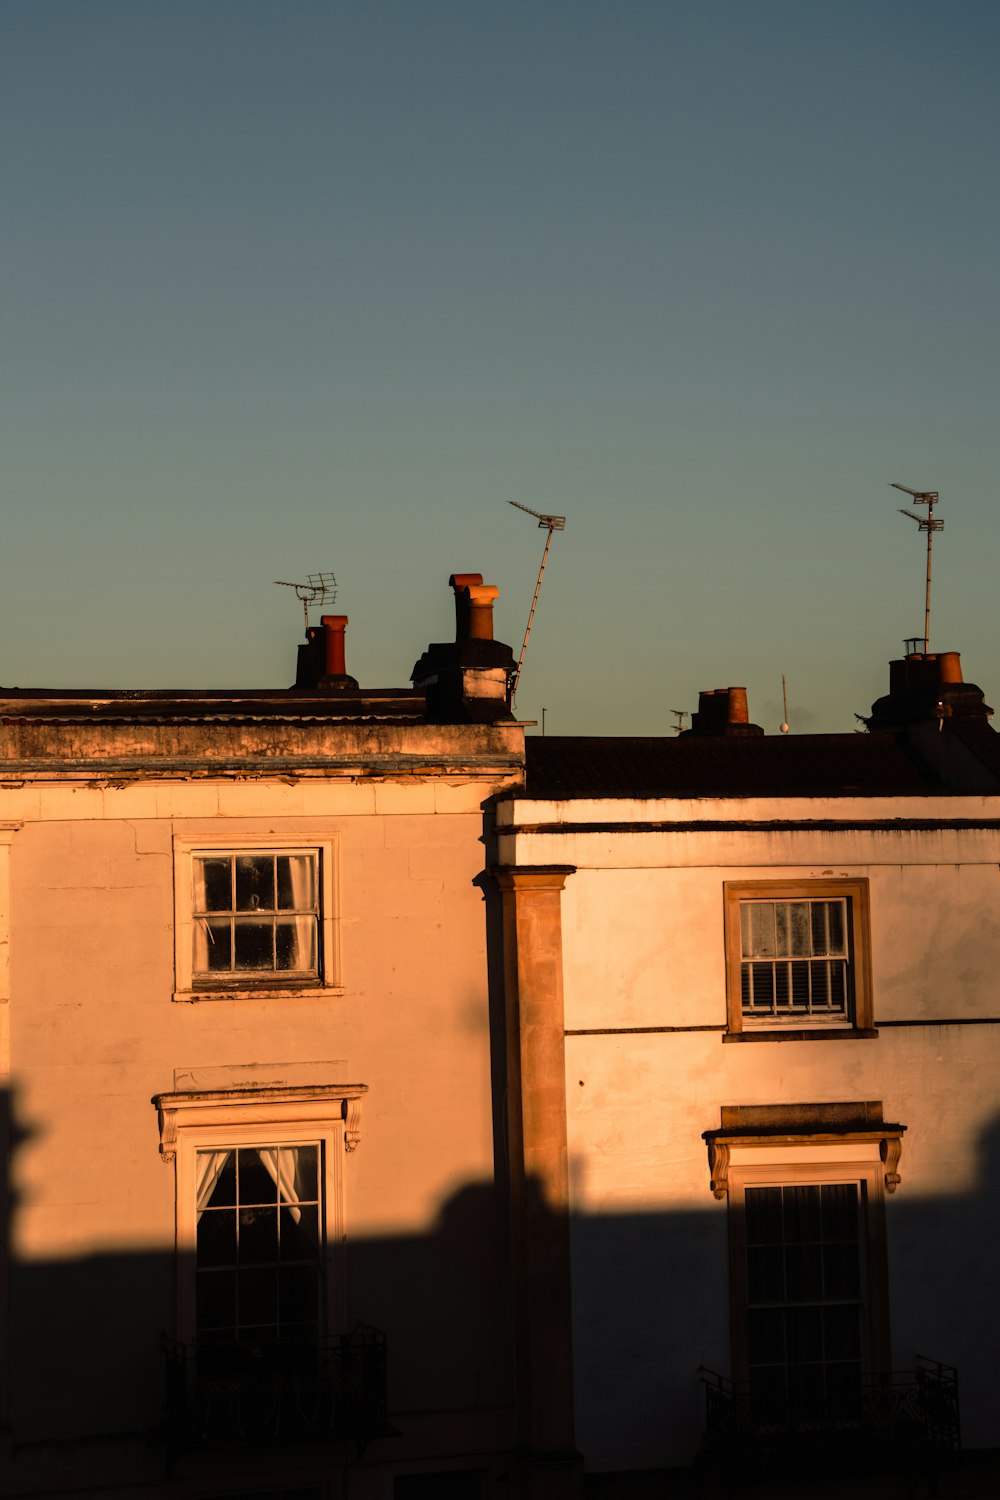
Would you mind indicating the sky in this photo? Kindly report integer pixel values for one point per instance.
(289, 286)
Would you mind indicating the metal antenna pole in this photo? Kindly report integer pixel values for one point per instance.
(319, 588)
(551, 524)
(784, 704)
(927, 523)
(927, 592)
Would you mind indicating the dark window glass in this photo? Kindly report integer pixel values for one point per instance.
(259, 1268)
(805, 1316)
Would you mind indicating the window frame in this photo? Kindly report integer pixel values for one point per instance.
(327, 1116)
(813, 1166)
(859, 1020)
(244, 985)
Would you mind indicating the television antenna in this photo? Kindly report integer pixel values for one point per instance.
(550, 524)
(928, 524)
(680, 714)
(319, 588)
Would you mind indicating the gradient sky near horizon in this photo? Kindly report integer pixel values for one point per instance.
(291, 286)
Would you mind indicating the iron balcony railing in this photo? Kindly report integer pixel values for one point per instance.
(912, 1412)
(331, 1390)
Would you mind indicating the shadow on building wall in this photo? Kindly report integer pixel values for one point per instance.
(87, 1368)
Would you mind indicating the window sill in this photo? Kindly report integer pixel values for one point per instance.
(803, 1034)
(258, 992)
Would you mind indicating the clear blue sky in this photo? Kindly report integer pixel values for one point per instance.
(293, 285)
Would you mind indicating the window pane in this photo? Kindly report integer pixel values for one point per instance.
(841, 1273)
(804, 1332)
(213, 885)
(800, 984)
(257, 1185)
(216, 1301)
(762, 982)
(299, 1294)
(763, 1216)
(840, 1211)
(296, 882)
(804, 1272)
(767, 1336)
(841, 1333)
(792, 924)
(254, 944)
(258, 1297)
(306, 1179)
(828, 927)
(217, 1237)
(299, 1232)
(258, 1235)
(295, 945)
(212, 946)
(765, 1274)
(802, 1215)
(222, 1192)
(757, 927)
(255, 882)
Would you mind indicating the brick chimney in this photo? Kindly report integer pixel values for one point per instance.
(321, 661)
(466, 681)
(723, 712)
(941, 719)
(927, 686)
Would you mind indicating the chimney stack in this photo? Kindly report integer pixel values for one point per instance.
(321, 659)
(467, 681)
(723, 712)
(925, 686)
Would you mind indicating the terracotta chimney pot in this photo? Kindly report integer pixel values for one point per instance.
(481, 597)
(333, 632)
(739, 712)
(461, 583)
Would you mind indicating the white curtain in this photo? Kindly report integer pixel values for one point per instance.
(302, 873)
(282, 1163)
(209, 1169)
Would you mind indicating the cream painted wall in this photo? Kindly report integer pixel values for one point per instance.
(95, 1034)
(643, 951)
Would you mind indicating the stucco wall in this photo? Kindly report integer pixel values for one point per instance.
(644, 968)
(95, 1034)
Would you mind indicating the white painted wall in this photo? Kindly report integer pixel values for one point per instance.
(643, 948)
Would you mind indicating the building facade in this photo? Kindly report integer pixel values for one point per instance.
(763, 1007)
(395, 1107)
(256, 1237)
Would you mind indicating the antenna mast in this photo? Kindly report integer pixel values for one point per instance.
(319, 588)
(926, 523)
(551, 524)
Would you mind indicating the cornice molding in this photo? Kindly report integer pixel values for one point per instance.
(307, 1103)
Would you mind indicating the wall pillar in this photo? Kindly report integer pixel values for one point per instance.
(550, 1465)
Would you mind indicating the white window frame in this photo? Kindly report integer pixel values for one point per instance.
(324, 1115)
(186, 848)
(817, 1165)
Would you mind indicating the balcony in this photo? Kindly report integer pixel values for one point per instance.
(901, 1419)
(328, 1390)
